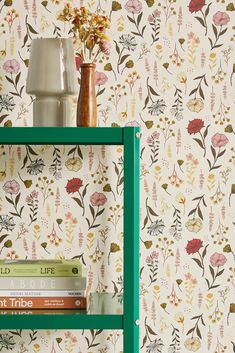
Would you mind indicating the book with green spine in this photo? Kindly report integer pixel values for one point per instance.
(40, 268)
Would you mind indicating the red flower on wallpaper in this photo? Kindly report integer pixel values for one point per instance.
(196, 5)
(194, 246)
(195, 126)
(73, 185)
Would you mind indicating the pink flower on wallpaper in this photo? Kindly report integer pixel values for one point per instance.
(100, 78)
(34, 194)
(133, 6)
(98, 199)
(155, 136)
(221, 18)
(150, 18)
(11, 66)
(105, 47)
(78, 61)
(219, 140)
(157, 14)
(30, 198)
(11, 187)
(217, 259)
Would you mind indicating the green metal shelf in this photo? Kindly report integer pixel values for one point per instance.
(61, 135)
(66, 322)
(128, 319)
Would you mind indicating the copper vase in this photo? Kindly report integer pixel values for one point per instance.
(87, 106)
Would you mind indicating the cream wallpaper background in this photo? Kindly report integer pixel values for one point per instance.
(171, 71)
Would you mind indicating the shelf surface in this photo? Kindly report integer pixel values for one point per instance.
(105, 311)
(62, 135)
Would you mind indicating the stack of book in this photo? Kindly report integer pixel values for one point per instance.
(42, 286)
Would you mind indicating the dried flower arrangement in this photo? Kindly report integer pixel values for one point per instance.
(90, 29)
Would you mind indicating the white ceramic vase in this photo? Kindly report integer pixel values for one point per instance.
(52, 79)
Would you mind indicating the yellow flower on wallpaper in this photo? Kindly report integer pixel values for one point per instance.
(179, 317)
(195, 105)
(74, 164)
(192, 344)
(194, 225)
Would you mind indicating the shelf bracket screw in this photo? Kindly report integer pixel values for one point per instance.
(137, 135)
(137, 322)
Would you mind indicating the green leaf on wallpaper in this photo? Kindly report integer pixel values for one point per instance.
(200, 20)
(198, 332)
(100, 92)
(92, 211)
(124, 58)
(84, 191)
(150, 330)
(3, 237)
(17, 78)
(32, 151)
(107, 188)
(25, 40)
(230, 7)
(78, 201)
(139, 18)
(207, 10)
(116, 6)
(108, 67)
(201, 93)
(197, 261)
(3, 117)
(224, 31)
(146, 102)
(153, 91)
(199, 142)
(150, 3)
(32, 30)
(149, 124)
(213, 152)
(215, 30)
(100, 212)
(117, 47)
(114, 248)
(131, 19)
(9, 79)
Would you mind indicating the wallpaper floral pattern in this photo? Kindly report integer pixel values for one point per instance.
(171, 71)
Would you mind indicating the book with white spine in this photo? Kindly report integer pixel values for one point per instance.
(41, 293)
(40, 283)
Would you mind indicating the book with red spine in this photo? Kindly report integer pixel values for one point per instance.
(43, 303)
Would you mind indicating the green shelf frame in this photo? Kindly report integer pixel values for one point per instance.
(63, 322)
(129, 137)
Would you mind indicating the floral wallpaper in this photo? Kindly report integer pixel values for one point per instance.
(171, 71)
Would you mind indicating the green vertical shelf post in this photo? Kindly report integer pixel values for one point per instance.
(131, 240)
